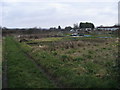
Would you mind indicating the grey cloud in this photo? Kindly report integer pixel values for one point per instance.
(47, 14)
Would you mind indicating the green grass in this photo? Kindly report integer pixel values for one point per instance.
(47, 39)
(22, 73)
(85, 66)
(88, 64)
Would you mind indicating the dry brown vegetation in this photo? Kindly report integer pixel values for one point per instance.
(94, 57)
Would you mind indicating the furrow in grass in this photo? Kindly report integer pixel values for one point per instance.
(22, 73)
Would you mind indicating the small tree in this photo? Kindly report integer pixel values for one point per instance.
(68, 28)
(75, 26)
(86, 25)
(59, 27)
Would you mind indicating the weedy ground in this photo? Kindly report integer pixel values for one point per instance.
(21, 72)
(82, 62)
(75, 62)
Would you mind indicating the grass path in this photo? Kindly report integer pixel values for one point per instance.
(21, 72)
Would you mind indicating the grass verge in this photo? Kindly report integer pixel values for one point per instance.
(21, 72)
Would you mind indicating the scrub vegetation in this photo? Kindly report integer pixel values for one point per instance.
(77, 62)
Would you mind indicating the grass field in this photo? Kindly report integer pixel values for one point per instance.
(73, 62)
(21, 72)
(77, 62)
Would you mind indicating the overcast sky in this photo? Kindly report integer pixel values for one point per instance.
(52, 13)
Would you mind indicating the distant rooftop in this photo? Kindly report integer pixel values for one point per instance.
(109, 26)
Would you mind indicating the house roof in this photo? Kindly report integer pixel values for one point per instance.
(109, 27)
